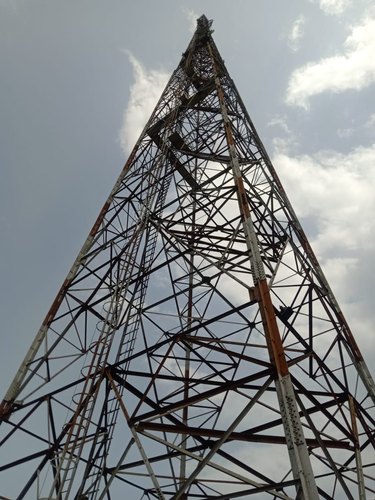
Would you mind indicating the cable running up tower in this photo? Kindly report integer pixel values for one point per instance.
(195, 349)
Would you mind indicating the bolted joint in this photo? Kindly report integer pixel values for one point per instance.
(6, 408)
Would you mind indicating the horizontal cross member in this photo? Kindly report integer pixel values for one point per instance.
(237, 436)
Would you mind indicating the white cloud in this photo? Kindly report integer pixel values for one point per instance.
(353, 69)
(332, 194)
(345, 133)
(288, 140)
(281, 122)
(335, 193)
(296, 33)
(192, 17)
(335, 7)
(338, 190)
(144, 95)
(370, 123)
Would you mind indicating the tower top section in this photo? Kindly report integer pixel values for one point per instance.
(203, 27)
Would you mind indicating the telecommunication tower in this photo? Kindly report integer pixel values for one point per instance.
(195, 349)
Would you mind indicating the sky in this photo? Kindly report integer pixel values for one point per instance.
(79, 80)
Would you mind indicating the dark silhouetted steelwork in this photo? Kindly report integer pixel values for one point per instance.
(195, 349)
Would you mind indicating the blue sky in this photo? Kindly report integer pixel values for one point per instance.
(79, 79)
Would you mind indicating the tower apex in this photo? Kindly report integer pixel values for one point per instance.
(203, 26)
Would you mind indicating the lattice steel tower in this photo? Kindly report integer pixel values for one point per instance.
(195, 349)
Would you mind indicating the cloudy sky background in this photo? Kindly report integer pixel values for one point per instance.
(79, 80)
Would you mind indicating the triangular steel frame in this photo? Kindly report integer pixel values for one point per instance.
(195, 349)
